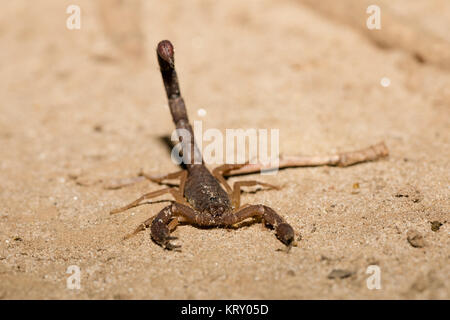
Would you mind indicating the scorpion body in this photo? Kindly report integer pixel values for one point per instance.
(200, 198)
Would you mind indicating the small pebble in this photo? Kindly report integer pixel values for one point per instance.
(435, 225)
(415, 239)
(340, 274)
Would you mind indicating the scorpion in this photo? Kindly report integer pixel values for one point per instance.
(205, 198)
(200, 198)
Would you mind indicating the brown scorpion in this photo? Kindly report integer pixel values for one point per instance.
(200, 198)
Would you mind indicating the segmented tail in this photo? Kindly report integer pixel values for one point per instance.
(166, 60)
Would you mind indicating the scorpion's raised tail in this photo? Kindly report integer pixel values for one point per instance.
(166, 60)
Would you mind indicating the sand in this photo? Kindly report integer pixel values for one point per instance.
(81, 108)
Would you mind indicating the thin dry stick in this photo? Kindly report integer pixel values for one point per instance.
(344, 159)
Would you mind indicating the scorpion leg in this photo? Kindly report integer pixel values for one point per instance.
(175, 193)
(220, 171)
(140, 227)
(144, 225)
(182, 175)
(236, 195)
(121, 183)
(283, 230)
(160, 228)
(124, 182)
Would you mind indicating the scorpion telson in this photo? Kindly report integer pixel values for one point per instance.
(203, 198)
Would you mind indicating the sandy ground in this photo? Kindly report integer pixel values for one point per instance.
(82, 107)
